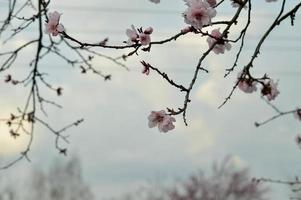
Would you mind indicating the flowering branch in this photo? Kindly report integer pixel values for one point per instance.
(198, 15)
(269, 88)
(279, 113)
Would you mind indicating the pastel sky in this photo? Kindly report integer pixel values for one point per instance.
(118, 150)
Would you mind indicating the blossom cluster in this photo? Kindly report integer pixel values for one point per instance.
(220, 45)
(138, 35)
(249, 85)
(199, 13)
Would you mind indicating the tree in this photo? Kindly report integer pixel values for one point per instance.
(199, 16)
(62, 182)
(66, 182)
(227, 182)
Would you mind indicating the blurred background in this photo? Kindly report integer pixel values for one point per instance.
(117, 151)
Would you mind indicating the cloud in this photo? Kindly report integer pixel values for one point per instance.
(10, 145)
(238, 162)
(214, 88)
(198, 137)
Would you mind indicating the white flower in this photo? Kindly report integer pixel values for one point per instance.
(162, 120)
(53, 25)
(198, 13)
(221, 45)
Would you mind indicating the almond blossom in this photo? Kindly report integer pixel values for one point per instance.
(162, 120)
(198, 13)
(220, 44)
(144, 39)
(142, 36)
(246, 84)
(132, 35)
(270, 90)
(53, 25)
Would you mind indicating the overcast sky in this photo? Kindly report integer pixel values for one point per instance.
(118, 150)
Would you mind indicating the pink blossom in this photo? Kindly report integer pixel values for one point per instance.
(162, 120)
(297, 114)
(132, 34)
(144, 39)
(270, 90)
(245, 84)
(149, 30)
(142, 36)
(53, 25)
(221, 45)
(198, 13)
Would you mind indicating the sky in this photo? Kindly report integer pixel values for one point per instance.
(118, 151)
